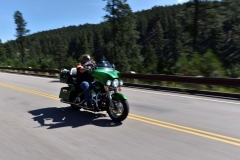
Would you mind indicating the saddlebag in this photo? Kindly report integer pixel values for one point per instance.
(68, 93)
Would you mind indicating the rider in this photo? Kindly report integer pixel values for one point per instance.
(84, 77)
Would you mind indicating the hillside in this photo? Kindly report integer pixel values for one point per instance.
(169, 40)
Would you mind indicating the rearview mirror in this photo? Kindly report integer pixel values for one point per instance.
(113, 66)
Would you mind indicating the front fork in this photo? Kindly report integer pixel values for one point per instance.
(109, 95)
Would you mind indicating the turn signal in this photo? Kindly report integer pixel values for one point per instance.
(107, 89)
(120, 89)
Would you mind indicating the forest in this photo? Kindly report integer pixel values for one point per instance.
(197, 38)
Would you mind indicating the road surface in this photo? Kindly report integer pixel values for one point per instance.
(161, 125)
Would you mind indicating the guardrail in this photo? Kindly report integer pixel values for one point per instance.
(231, 82)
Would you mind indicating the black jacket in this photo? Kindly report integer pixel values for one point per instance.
(85, 76)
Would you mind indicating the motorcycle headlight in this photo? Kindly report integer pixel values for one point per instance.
(115, 83)
(108, 83)
(121, 82)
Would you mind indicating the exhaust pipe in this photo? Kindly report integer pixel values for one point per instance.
(80, 106)
(67, 102)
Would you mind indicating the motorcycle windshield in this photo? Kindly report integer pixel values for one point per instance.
(104, 74)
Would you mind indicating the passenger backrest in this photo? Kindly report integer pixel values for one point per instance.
(73, 72)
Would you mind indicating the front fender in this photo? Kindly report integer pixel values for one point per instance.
(118, 96)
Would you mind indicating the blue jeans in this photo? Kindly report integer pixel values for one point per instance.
(85, 86)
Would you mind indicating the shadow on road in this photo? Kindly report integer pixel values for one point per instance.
(63, 117)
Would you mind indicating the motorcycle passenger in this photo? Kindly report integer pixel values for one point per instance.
(84, 78)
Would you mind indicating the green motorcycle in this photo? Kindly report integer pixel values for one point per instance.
(104, 91)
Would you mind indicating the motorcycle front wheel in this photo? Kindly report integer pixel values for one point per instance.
(119, 111)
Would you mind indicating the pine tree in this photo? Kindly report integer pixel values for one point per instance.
(183, 66)
(78, 48)
(70, 63)
(45, 48)
(90, 42)
(32, 53)
(236, 26)
(99, 48)
(211, 65)
(21, 32)
(85, 48)
(2, 53)
(150, 60)
(158, 38)
(59, 52)
(9, 51)
(142, 26)
(38, 50)
(204, 19)
(216, 42)
(124, 35)
(174, 45)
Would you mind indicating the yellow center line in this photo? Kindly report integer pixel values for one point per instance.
(29, 91)
(183, 127)
(201, 133)
(186, 131)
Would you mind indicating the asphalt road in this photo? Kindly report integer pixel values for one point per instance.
(161, 125)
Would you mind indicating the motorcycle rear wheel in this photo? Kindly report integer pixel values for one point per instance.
(121, 112)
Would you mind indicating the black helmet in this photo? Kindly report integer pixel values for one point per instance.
(86, 56)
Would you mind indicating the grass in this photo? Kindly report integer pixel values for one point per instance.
(190, 86)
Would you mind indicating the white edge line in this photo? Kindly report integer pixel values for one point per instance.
(183, 96)
(31, 76)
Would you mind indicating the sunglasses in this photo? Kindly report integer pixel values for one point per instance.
(86, 58)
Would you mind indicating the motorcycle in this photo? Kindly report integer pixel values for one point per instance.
(104, 91)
